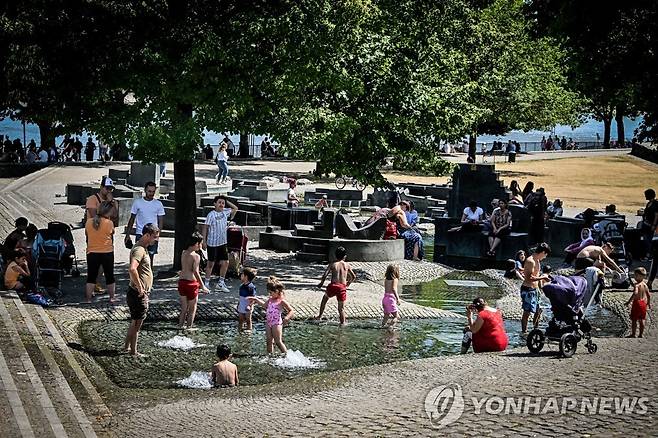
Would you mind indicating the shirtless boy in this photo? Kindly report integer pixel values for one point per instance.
(641, 300)
(341, 277)
(531, 284)
(224, 373)
(190, 281)
(598, 256)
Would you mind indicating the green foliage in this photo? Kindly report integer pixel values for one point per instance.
(428, 165)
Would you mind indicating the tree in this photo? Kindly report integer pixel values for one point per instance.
(55, 54)
(519, 81)
(611, 55)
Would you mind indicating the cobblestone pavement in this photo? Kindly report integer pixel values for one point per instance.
(389, 399)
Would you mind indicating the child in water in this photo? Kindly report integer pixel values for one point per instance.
(224, 373)
(391, 299)
(247, 289)
(274, 305)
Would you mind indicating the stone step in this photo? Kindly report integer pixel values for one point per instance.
(314, 249)
(310, 257)
(58, 412)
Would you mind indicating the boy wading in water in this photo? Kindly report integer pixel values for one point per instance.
(531, 285)
(641, 300)
(341, 277)
(190, 282)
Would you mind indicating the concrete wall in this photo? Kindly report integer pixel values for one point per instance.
(140, 174)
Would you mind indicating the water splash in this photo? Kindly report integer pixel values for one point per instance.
(296, 359)
(180, 343)
(197, 380)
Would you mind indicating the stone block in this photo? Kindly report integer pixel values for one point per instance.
(520, 218)
(117, 174)
(141, 173)
(166, 185)
(562, 232)
(169, 222)
(347, 229)
(477, 182)
(287, 218)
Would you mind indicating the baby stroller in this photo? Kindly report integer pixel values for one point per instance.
(52, 258)
(236, 242)
(612, 231)
(69, 258)
(569, 297)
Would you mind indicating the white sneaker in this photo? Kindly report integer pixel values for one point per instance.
(222, 287)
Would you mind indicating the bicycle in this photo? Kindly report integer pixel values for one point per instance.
(342, 181)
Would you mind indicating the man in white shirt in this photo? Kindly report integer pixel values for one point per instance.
(146, 210)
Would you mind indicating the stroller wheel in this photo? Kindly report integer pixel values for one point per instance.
(535, 341)
(592, 348)
(75, 273)
(568, 345)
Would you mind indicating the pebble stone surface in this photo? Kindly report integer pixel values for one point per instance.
(383, 400)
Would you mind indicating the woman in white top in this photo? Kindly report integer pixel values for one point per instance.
(472, 218)
(222, 164)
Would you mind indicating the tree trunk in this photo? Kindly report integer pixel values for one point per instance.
(244, 144)
(607, 121)
(619, 118)
(46, 133)
(185, 199)
(472, 147)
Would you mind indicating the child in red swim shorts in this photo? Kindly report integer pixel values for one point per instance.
(341, 277)
(190, 282)
(641, 301)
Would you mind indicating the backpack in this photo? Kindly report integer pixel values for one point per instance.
(391, 230)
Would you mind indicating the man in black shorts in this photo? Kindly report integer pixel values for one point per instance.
(141, 281)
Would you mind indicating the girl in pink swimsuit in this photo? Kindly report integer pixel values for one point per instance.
(391, 299)
(273, 321)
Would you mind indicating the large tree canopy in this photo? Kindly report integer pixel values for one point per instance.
(346, 82)
(612, 55)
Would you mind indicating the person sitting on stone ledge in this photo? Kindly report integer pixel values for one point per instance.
(471, 220)
(13, 238)
(515, 193)
(501, 226)
(411, 214)
(554, 209)
(413, 241)
(487, 332)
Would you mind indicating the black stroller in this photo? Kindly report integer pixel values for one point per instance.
(54, 254)
(569, 297)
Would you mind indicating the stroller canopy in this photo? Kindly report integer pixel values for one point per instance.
(566, 295)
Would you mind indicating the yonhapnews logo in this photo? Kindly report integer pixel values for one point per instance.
(444, 405)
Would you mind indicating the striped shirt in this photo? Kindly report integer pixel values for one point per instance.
(217, 222)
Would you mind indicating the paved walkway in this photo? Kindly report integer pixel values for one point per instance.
(46, 389)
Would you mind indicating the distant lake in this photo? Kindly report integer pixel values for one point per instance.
(585, 132)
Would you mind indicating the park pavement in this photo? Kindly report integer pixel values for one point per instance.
(383, 400)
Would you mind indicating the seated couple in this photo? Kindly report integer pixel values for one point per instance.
(401, 221)
(499, 223)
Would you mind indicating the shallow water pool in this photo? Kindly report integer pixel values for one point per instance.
(327, 347)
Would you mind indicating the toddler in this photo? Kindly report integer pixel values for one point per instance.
(274, 322)
(247, 289)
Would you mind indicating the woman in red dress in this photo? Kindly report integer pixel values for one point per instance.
(488, 329)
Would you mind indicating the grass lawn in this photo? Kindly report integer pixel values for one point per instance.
(580, 182)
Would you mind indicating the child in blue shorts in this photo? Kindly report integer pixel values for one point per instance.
(247, 289)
